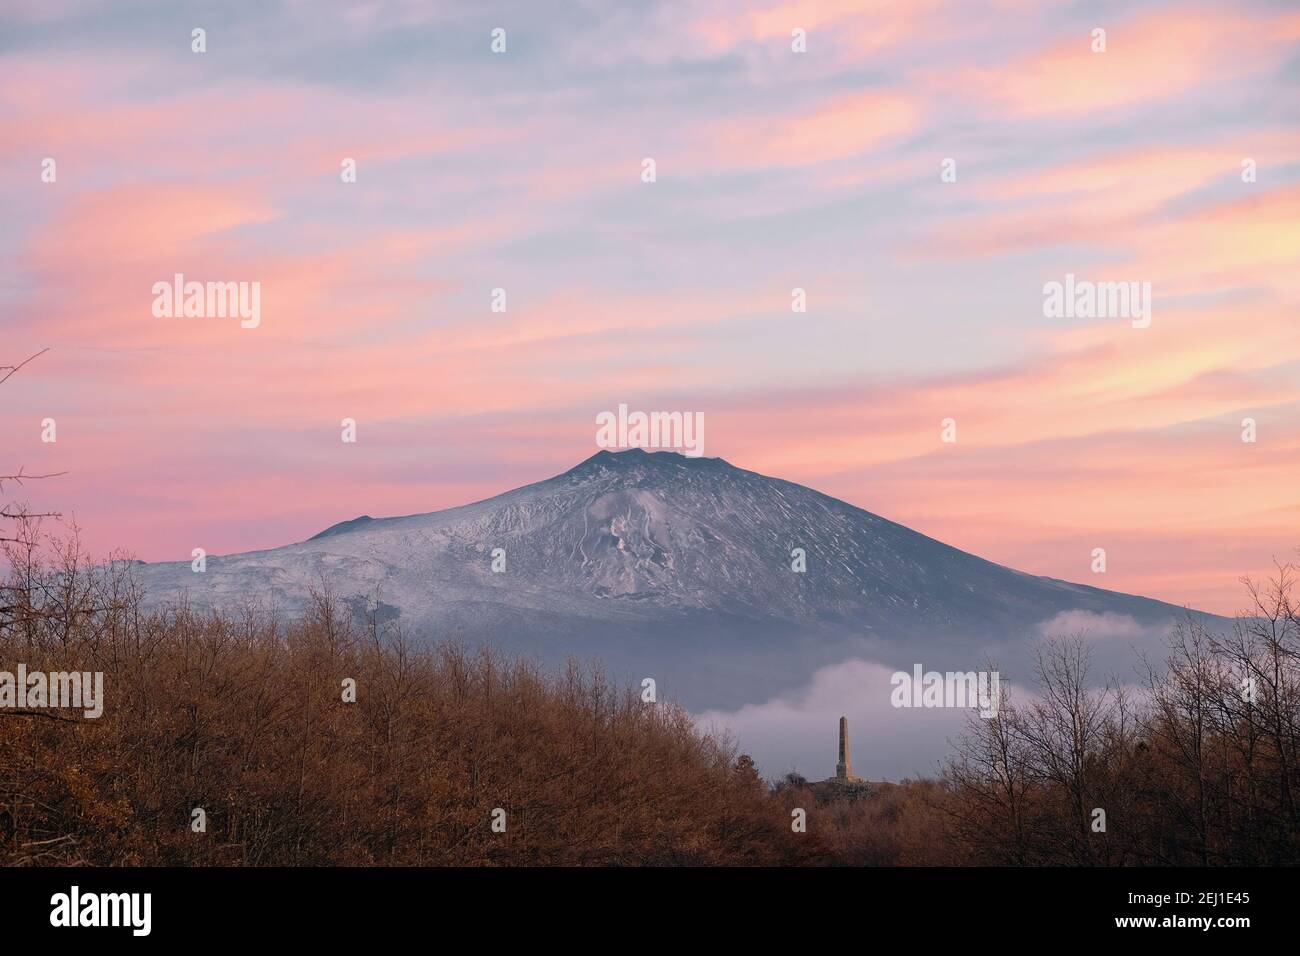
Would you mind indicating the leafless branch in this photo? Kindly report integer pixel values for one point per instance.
(19, 478)
(9, 370)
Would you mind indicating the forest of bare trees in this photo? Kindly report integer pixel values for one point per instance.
(245, 717)
(1194, 764)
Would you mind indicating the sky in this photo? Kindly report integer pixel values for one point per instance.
(920, 170)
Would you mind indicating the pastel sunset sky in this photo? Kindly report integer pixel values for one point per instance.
(775, 170)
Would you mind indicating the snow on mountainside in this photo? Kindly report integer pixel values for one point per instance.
(660, 559)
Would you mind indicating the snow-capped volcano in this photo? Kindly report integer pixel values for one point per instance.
(659, 563)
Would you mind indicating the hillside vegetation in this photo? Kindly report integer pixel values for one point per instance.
(249, 719)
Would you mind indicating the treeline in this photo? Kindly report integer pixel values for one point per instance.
(1198, 764)
(444, 756)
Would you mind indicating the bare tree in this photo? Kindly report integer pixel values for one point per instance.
(18, 477)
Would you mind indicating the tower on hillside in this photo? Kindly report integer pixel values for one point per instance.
(844, 768)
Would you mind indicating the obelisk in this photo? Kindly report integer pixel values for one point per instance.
(844, 769)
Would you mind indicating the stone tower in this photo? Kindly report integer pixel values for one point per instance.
(844, 769)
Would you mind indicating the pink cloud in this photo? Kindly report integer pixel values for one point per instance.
(1148, 57)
